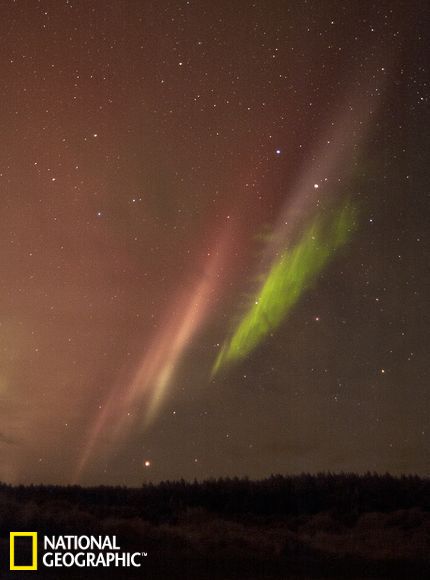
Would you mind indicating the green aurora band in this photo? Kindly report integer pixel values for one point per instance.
(289, 277)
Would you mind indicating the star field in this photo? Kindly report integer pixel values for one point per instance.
(157, 160)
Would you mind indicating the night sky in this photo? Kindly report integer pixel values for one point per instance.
(160, 162)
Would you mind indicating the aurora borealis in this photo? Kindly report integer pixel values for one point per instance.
(287, 280)
(213, 239)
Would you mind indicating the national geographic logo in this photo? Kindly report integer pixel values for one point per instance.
(69, 551)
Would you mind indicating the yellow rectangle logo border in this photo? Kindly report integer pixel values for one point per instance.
(12, 537)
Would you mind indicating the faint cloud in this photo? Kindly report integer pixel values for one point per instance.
(6, 439)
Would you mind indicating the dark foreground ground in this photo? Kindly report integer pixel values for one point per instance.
(325, 526)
